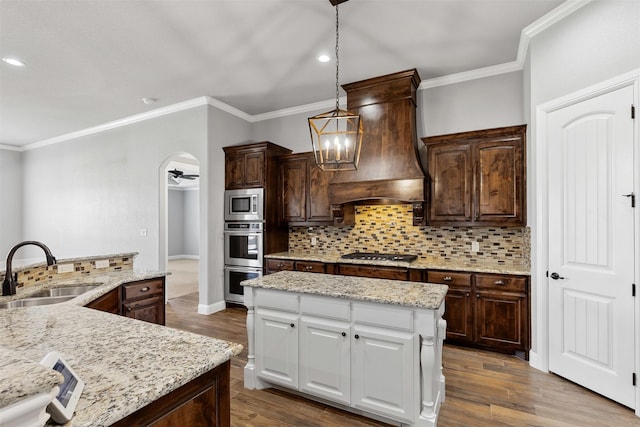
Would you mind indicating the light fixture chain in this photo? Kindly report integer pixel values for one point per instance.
(337, 61)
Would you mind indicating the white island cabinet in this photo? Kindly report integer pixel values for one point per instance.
(370, 346)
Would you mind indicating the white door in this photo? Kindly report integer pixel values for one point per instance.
(591, 244)
(325, 358)
(277, 347)
(382, 376)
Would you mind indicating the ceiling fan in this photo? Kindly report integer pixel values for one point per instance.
(177, 174)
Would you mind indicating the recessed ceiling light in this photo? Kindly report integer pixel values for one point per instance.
(149, 101)
(324, 58)
(13, 61)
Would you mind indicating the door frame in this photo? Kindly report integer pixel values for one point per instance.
(539, 355)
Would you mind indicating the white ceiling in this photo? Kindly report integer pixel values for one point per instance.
(89, 62)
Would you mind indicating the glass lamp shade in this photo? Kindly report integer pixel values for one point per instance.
(336, 137)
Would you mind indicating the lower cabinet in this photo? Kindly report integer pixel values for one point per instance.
(277, 339)
(142, 300)
(489, 311)
(359, 355)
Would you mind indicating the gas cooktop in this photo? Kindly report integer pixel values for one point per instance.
(371, 256)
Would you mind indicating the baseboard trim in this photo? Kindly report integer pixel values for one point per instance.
(211, 308)
(536, 362)
(174, 257)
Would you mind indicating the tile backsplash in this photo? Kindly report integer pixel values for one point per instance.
(389, 228)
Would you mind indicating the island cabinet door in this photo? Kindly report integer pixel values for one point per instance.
(383, 372)
(325, 358)
(277, 347)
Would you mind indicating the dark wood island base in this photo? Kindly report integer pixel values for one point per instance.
(203, 402)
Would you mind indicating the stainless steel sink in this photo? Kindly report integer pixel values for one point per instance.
(50, 296)
(30, 302)
(64, 291)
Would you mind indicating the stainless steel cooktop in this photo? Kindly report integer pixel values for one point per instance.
(374, 256)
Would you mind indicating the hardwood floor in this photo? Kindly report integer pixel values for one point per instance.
(482, 388)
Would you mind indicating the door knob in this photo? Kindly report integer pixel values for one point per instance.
(556, 276)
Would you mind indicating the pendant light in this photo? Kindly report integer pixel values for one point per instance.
(336, 136)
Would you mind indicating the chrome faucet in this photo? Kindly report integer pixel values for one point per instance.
(9, 284)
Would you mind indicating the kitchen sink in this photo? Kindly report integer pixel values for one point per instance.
(50, 296)
(64, 291)
(31, 302)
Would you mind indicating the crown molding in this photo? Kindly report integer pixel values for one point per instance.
(556, 15)
(551, 18)
(180, 106)
(10, 147)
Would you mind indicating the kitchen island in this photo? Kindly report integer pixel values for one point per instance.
(135, 372)
(370, 346)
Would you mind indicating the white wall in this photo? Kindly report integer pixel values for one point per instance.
(92, 195)
(183, 225)
(485, 103)
(10, 201)
(191, 223)
(175, 223)
(598, 42)
(291, 131)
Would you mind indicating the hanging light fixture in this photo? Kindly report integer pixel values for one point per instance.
(336, 135)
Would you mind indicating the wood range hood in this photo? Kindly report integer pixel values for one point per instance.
(389, 170)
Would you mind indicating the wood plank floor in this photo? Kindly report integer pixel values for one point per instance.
(482, 388)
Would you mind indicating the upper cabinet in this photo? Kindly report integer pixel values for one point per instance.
(305, 191)
(251, 165)
(477, 178)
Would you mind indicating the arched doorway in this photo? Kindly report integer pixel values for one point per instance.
(180, 224)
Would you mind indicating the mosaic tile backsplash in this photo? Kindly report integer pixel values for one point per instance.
(389, 228)
(32, 275)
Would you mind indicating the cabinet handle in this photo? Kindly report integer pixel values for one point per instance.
(280, 265)
(499, 282)
(467, 293)
(145, 289)
(292, 325)
(447, 279)
(344, 334)
(477, 295)
(356, 336)
(309, 267)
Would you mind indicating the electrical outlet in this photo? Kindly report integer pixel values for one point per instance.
(65, 268)
(143, 232)
(314, 241)
(102, 263)
(475, 246)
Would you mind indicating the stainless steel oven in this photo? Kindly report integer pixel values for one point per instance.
(233, 275)
(243, 244)
(244, 205)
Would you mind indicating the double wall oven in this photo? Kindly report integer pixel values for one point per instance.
(243, 240)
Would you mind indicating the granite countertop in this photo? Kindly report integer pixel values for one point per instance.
(420, 264)
(397, 292)
(125, 363)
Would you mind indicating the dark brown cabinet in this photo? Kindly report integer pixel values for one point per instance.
(458, 304)
(310, 266)
(305, 191)
(275, 265)
(252, 165)
(142, 300)
(477, 178)
(109, 302)
(489, 311)
(373, 271)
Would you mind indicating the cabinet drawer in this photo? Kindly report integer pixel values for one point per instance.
(142, 289)
(310, 266)
(377, 272)
(384, 316)
(449, 278)
(279, 300)
(503, 283)
(325, 307)
(275, 265)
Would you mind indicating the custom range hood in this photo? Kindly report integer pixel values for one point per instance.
(389, 170)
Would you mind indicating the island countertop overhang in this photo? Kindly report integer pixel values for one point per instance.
(395, 292)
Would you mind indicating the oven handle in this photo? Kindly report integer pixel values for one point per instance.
(243, 269)
(244, 233)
